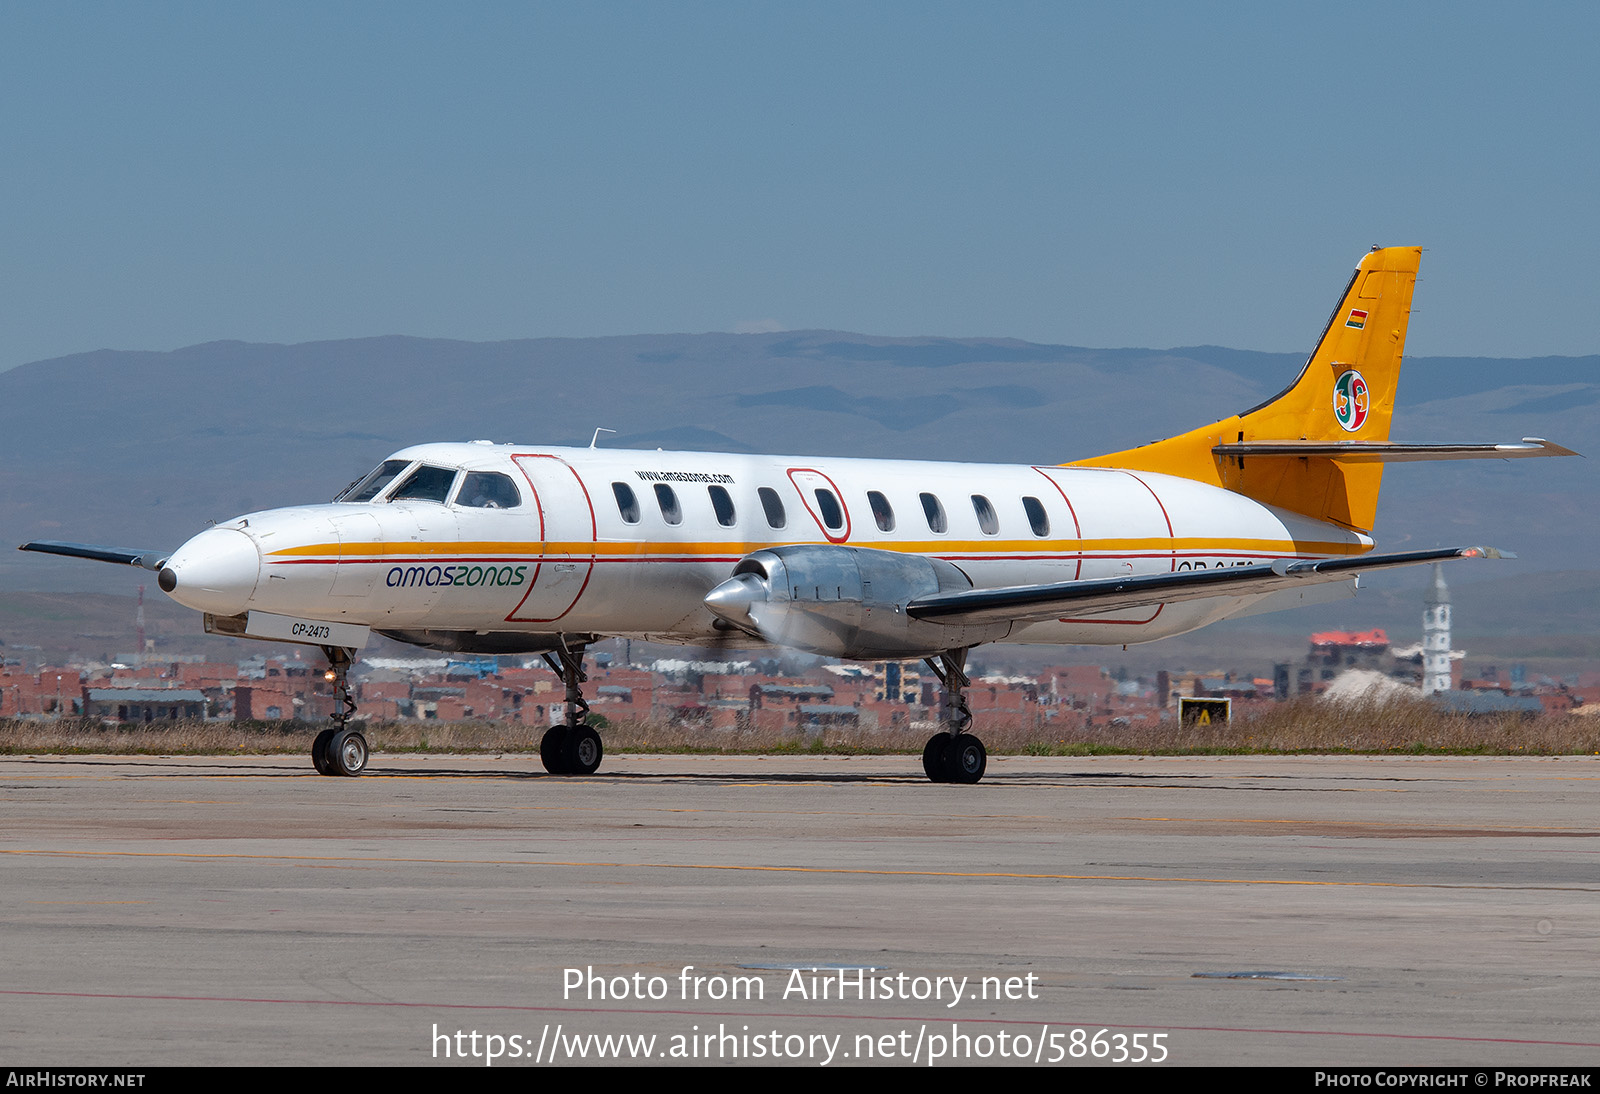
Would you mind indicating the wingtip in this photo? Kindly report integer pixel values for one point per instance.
(1552, 449)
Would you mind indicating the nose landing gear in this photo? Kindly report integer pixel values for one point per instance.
(573, 748)
(340, 750)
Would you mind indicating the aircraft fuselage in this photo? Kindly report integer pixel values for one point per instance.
(628, 543)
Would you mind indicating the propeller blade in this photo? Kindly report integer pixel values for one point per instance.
(124, 556)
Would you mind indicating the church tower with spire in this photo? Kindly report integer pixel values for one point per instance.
(1436, 636)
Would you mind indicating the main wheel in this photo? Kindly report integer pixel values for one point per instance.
(966, 759)
(933, 758)
(347, 753)
(553, 750)
(583, 751)
(319, 752)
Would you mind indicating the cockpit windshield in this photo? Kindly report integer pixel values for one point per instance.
(368, 488)
(479, 489)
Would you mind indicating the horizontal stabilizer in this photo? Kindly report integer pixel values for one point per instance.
(124, 556)
(1385, 452)
(1037, 603)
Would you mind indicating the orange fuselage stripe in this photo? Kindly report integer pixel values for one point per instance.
(1001, 549)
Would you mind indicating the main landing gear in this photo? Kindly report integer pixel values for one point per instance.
(340, 750)
(574, 748)
(954, 755)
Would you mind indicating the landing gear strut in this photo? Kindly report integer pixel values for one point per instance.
(574, 748)
(340, 750)
(954, 755)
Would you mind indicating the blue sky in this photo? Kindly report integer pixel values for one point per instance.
(1102, 175)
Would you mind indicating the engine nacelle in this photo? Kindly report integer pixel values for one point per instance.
(844, 602)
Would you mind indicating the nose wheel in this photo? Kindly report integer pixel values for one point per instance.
(346, 753)
(319, 752)
(340, 750)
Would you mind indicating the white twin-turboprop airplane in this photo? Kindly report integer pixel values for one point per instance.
(499, 548)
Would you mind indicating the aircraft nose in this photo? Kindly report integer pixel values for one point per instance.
(215, 572)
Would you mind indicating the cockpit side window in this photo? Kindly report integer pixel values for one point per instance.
(370, 487)
(426, 484)
(488, 490)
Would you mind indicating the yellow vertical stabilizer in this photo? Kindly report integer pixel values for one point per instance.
(1345, 393)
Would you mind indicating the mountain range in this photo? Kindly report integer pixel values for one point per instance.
(141, 449)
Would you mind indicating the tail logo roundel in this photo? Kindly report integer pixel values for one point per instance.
(1350, 401)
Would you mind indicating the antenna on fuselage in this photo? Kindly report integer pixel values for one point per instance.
(595, 440)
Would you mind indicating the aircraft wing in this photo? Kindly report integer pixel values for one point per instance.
(125, 556)
(1037, 603)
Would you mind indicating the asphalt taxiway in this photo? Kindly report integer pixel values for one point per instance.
(246, 911)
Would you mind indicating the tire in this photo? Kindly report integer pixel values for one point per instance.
(933, 758)
(347, 754)
(584, 751)
(552, 750)
(319, 752)
(966, 759)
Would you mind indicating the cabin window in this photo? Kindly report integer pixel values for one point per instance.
(723, 505)
(882, 511)
(368, 488)
(426, 484)
(934, 511)
(627, 504)
(1038, 519)
(988, 523)
(832, 511)
(668, 500)
(772, 506)
(488, 490)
